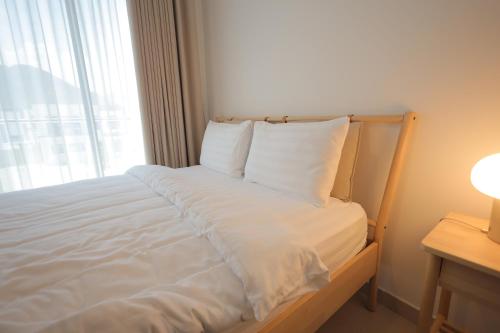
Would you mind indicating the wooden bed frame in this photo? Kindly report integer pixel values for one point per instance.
(307, 313)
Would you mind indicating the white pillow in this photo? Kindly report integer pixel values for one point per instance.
(225, 147)
(297, 158)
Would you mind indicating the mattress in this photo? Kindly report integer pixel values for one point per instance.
(163, 250)
(339, 234)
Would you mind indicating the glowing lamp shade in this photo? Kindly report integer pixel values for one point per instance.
(485, 176)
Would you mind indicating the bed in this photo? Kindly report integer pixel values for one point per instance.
(191, 250)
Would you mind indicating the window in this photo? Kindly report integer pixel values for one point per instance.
(68, 96)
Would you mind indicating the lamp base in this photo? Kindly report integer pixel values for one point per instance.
(494, 231)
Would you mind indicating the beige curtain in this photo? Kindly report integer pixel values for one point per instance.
(167, 61)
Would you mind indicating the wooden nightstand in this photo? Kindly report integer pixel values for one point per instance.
(463, 260)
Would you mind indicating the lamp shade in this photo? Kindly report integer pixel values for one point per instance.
(485, 175)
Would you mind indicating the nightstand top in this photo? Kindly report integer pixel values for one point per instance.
(456, 241)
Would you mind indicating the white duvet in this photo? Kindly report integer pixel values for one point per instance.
(155, 249)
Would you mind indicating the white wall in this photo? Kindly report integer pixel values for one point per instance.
(436, 57)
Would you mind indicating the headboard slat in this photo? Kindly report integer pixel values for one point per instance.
(382, 119)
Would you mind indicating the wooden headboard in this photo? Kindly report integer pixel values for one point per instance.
(378, 224)
(352, 275)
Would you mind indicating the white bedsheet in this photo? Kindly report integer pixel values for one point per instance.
(155, 249)
(337, 232)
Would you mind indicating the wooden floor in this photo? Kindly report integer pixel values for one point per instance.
(353, 317)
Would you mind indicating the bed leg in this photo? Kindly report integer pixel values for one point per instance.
(372, 297)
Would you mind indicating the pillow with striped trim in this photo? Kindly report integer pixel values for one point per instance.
(225, 147)
(297, 158)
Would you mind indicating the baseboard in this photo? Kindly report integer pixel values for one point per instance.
(395, 304)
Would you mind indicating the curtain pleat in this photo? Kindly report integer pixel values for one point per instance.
(169, 81)
(191, 76)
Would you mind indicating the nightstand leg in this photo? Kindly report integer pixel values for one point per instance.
(444, 302)
(427, 304)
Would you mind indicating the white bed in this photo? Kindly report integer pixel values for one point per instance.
(161, 250)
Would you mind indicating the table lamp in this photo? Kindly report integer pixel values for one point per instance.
(485, 176)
